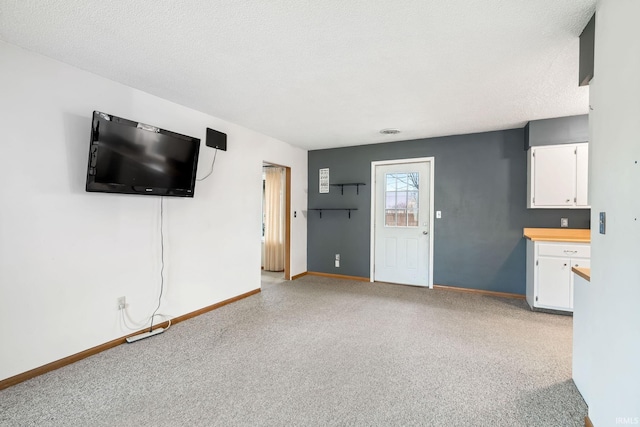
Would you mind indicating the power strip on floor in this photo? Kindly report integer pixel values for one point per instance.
(145, 335)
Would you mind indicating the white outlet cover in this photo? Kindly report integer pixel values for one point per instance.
(438, 214)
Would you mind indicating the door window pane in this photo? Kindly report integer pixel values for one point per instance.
(391, 182)
(402, 180)
(412, 209)
(401, 199)
(390, 208)
(412, 180)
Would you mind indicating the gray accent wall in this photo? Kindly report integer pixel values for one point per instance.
(559, 130)
(480, 187)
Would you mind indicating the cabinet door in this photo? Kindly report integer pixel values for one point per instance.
(578, 262)
(582, 174)
(553, 282)
(554, 175)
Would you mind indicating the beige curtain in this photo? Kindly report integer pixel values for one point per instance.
(274, 219)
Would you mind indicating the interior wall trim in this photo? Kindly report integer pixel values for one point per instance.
(480, 291)
(441, 287)
(287, 222)
(287, 216)
(16, 379)
(338, 276)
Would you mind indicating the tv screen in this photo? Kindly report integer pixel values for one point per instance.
(135, 158)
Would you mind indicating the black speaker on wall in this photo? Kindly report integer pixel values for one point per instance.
(217, 140)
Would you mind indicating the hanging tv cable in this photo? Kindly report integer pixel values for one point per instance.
(211, 171)
(156, 331)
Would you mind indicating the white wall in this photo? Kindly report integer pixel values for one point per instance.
(67, 255)
(614, 387)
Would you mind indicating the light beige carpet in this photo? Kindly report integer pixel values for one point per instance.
(318, 352)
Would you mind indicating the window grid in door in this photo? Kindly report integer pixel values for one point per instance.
(401, 199)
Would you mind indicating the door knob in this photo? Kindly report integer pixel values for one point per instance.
(425, 232)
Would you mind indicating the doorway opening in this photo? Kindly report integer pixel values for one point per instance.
(402, 221)
(276, 219)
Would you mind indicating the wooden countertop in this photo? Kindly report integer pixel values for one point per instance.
(575, 235)
(583, 272)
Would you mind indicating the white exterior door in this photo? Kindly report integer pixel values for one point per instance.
(402, 223)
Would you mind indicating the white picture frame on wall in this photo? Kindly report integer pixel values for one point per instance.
(324, 180)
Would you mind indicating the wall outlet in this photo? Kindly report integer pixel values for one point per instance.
(438, 214)
(337, 257)
(337, 263)
(122, 303)
(564, 222)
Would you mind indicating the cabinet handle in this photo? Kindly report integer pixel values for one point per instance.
(565, 264)
(568, 200)
(567, 251)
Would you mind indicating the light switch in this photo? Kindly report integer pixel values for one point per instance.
(564, 222)
(438, 214)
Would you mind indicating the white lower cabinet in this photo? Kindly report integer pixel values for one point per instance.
(549, 277)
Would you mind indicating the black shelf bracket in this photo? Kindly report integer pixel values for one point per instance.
(334, 209)
(357, 185)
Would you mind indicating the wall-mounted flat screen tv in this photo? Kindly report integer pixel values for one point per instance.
(135, 158)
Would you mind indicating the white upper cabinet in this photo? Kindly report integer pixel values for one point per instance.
(553, 175)
(558, 176)
(582, 176)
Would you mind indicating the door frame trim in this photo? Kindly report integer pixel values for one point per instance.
(287, 216)
(374, 164)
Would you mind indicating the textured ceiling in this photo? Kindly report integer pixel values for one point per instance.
(320, 74)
